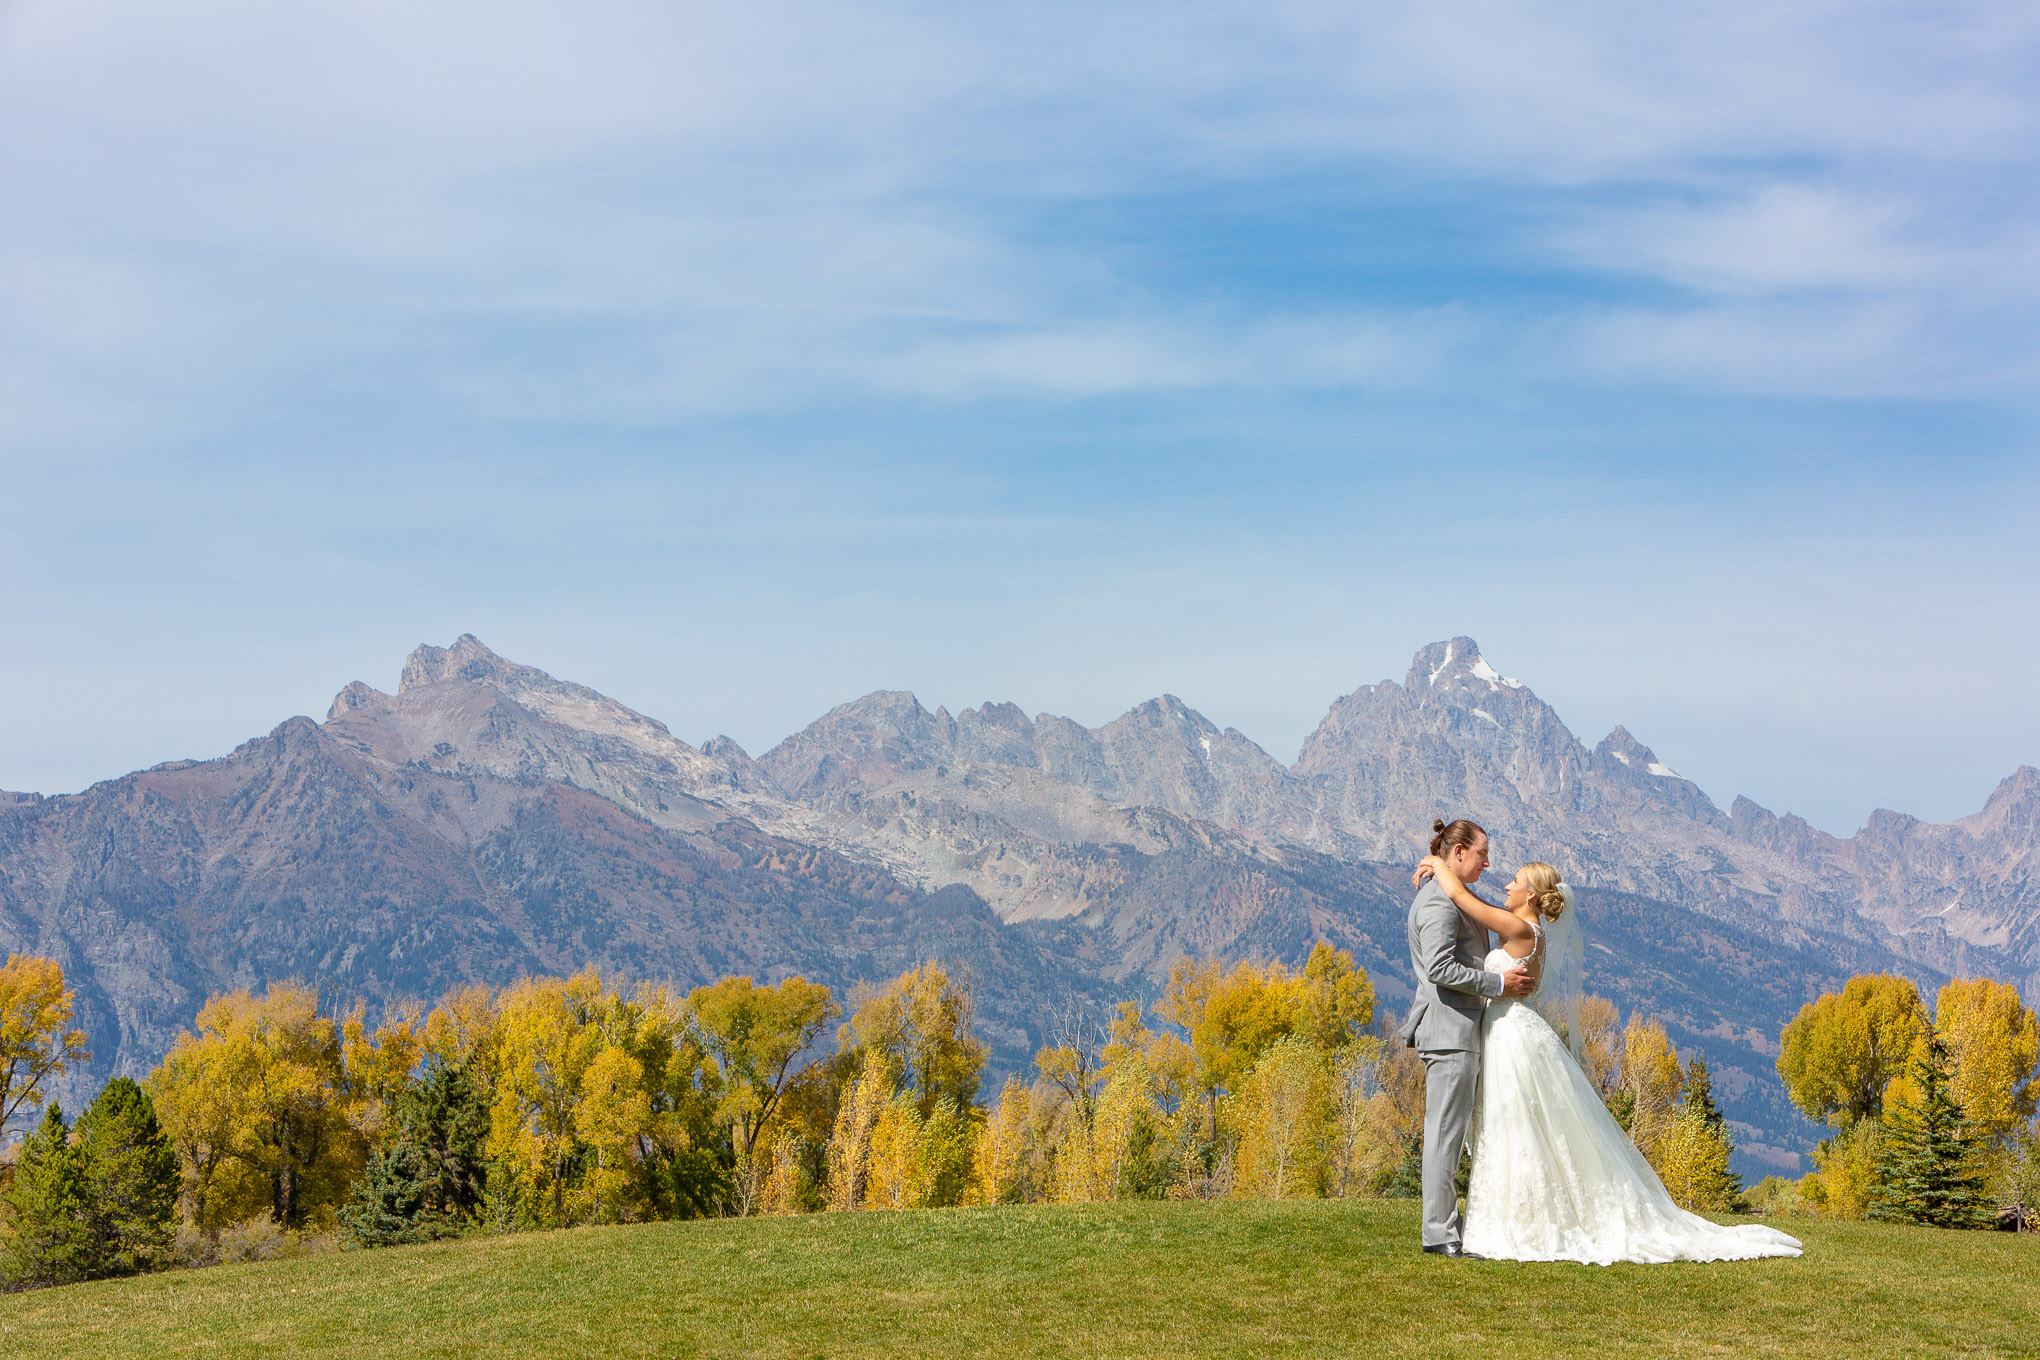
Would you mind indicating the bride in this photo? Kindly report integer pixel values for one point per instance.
(1554, 1176)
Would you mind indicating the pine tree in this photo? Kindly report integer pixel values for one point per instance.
(446, 1119)
(48, 1242)
(387, 1205)
(1927, 1169)
(130, 1177)
(1714, 1185)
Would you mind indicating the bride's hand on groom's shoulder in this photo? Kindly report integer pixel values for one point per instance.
(1426, 867)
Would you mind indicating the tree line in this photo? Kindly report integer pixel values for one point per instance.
(558, 1101)
(1933, 1112)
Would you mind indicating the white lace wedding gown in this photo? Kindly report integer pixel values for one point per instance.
(1554, 1176)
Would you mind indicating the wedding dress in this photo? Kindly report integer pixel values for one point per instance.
(1554, 1176)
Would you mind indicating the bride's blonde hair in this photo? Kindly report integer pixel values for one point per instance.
(1543, 881)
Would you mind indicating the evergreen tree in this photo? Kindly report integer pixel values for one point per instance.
(130, 1178)
(1927, 1169)
(433, 1176)
(445, 1118)
(1714, 1185)
(388, 1204)
(1700, 1094)
(48, 1242)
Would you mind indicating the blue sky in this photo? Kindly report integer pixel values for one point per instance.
(738, 363)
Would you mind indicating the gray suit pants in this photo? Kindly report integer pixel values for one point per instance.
(1451, 1081)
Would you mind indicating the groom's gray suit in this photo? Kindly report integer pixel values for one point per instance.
(1447, 950)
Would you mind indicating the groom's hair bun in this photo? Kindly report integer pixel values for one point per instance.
(1449, 836)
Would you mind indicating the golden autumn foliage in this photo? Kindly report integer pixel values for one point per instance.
(1851, 1057)
(1284, 1119)
(1002, 1149)
(1247, 1080)
(546, 1045)
(1652, 1080)
(1995, 1044)
(1232, 1017)
(1842, 1052)
(1601, 1044)
(36, 1042)
(754, 1034)
(1125, 1112)
(1692, 1161)
(1167, 1064)
(850, 1144)
(921, 1024)
(1844, 1175)
(256, 1099)
(1338, 998)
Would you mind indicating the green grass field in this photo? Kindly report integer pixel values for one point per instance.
(1317, 1278)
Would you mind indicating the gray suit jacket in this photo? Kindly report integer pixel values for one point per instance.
(1447, 950)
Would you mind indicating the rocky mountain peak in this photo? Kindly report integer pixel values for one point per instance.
(357, 695)
(2020, 786)
(470, 662)
(867, 741)
(467, 659)
(1625, 750)
(1456, 663)
(725, 748)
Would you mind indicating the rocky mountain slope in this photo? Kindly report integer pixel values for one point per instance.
(487, 820)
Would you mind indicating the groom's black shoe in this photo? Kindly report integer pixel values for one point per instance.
(1454, 1250)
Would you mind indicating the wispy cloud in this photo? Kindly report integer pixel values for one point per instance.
(1156, 329)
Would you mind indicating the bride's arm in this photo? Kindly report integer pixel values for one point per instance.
(1506, 924)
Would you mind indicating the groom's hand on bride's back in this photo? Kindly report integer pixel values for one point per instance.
(1518, 982)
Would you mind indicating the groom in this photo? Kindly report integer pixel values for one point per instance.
(1444, 1023)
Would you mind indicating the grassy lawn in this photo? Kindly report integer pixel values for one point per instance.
(1318, 1278)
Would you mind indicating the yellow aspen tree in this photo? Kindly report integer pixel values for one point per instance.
(1844, 1175)
(1076, 1162)
(284, 1062)
(378, 1065)
(897, 1179)
(1692, 1161)
(547, 1042)
(755, 1035)
(921, 1023)
(1003, 1146)
(849, 1156)
(1167, 1063)
(1284, 1113)
(202, 1092)
(1231, 1018)
(461, 1031)
(780, 1191)
(1337, 1000)
(1069, 1069)
(1841, 1053)
(949, 1140)
(35, 1041)
(1601, 1043)
(1123, 1108)
(1128, 1038)
(612, 1121)
(1652, 1078)
(1995, 1044)
(1367, 1140)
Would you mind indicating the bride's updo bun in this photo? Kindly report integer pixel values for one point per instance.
(1543, 882)
(1449, 836)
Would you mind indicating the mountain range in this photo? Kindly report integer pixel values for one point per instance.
(487, 820)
